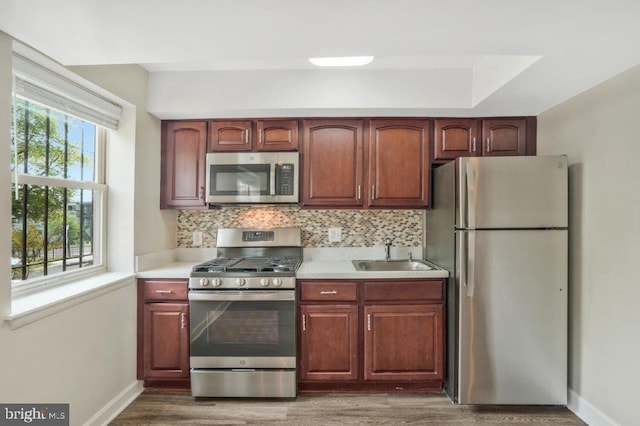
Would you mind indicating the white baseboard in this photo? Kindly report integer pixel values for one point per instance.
(116, 405)
(589, 413)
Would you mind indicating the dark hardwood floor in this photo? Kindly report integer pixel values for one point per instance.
(154, 407)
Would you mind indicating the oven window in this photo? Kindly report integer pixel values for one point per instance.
(246, 327)
(242, 328)
(240, 179)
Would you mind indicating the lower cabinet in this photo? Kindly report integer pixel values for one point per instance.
(163, 332)
(384, 335)
(330, 342)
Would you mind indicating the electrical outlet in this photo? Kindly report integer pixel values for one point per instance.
(335, 235)
(197, 238)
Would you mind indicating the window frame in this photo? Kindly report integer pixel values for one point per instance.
(99, 199)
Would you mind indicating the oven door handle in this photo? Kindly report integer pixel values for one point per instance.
(209, 295)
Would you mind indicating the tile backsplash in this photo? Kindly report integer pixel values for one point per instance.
(360, 228)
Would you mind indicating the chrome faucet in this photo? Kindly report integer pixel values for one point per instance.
(387, 249)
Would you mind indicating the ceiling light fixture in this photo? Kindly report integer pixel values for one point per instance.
(342, 61)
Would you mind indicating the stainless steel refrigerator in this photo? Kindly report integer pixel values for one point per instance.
(499, 225)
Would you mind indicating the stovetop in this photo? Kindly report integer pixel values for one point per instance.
(221, 265)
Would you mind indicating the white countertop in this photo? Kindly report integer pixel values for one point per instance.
(323, 263)
(170, 270)
(338, 269)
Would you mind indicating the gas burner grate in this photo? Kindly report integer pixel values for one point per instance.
(219, 264)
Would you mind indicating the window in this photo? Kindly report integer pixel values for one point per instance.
(58, 193)
(58, 176)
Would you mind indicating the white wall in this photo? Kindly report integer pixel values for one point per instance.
(600, 132)
(154, 229)
(279, 93)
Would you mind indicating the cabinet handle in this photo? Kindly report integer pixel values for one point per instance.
(488, 144)
(373, 192)
(183, 320)
(304, 322)
(359, 192)
(164, 291)
(329, 292)
(368, 322)
(473, 145)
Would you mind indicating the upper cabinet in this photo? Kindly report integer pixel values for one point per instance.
(332, 162)
(396, 173)
(456, 137)
(277, 135)
(504, 136)
(182, 176)
(230, 135)
(398, 163)
(469, 137)
(253, 135)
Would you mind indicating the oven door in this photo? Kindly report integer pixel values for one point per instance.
(242, 329)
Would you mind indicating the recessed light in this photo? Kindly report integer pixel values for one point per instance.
(342, 61)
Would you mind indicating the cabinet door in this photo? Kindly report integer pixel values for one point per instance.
(166, 340)
(332, 172)
(277, 135)
(329, 342)
(456, 137)
(399, 165)
(404, 342)
(183, 164)
(504, 136)
(230, 135)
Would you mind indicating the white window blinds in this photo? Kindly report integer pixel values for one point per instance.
(41, 85)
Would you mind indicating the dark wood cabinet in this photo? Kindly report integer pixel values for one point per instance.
(397, 172)
(469, 137)
(253, 135)
(332, 163)
(404, 342)
(399, 166)
(163, 332)
(329, 342)
(383, 335)
(456, 137)
(230, 135)
(276, 135)
(182, 177)
(506, 136)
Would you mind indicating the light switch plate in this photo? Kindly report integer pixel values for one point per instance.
(335, 235)
(197, 238)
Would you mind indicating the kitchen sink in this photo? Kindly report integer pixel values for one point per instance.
(392, 265)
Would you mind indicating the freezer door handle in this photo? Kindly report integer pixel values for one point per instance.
(470, 195)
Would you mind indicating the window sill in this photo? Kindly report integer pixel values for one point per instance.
(36, 306)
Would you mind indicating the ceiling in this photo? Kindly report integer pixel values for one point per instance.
(211, 58)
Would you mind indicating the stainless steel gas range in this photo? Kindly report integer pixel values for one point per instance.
(242, 315)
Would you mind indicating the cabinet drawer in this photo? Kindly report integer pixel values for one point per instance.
(431, 290)
(320, 291)
(165, 289)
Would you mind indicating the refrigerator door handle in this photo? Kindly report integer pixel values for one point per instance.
(470, 195)
(470, 243)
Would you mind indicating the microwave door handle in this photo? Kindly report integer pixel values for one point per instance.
(272, 179)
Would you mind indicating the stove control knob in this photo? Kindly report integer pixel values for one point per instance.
(204, 282)
(264, 282)
(277, 282)
(240, 282)
(217, 282)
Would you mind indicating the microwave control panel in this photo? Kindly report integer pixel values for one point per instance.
(284, 179)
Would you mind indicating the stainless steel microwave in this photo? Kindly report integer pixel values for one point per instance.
(252, 177)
